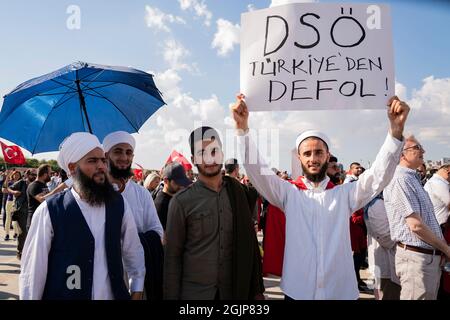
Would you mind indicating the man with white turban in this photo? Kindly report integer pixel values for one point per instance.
(81, 240)
(119, 152)
(318, 260)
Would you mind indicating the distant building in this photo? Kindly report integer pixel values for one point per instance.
(445, 161)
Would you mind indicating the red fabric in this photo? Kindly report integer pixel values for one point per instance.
(274, 239)
(358, 236)
(275, 235)
(178, 157)
(12, 154)
(138, 174)
(446, 275)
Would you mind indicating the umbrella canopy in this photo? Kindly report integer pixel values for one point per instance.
(40, 113)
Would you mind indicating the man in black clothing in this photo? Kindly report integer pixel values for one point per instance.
(20, 213)
(37, 190)
(175, 179)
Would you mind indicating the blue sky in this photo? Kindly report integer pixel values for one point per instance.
(200, 83)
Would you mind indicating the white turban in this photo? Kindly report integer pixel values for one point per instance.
(312, 133)
(75, 147)
(118, 137)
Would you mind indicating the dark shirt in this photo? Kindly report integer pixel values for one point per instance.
(162, 201)
(21, 201)
(198, 252)
(35, 188)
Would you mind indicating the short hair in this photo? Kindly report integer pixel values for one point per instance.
(203, 133)
(355, 164)
(43, 169)
(333, 159)
(231, 165)
(445, 166)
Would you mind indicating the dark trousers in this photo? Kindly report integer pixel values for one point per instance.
(22, 218)
(358, 261)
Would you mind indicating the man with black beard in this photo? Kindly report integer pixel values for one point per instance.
(334, 171)
(81, 240)
(119, 151)
(318, 260)
(211, 248)
(119, 147)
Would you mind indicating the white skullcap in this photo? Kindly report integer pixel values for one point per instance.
(118, 137)
(75, 147)
(312, 133)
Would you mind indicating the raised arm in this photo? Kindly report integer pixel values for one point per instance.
(269, 185)
(378, 176)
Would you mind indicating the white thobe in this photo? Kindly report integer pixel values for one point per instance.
(318, 262)
(37, 246)
(439, 192)
(142, 207)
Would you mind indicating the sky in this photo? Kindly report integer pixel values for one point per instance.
(192, 47)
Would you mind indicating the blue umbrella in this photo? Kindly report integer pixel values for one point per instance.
(40, 113)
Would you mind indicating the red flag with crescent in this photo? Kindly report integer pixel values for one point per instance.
(178, 157)
(12, 154)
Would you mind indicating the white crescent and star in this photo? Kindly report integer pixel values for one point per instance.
(7, 150)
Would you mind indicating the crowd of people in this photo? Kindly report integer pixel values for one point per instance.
(91, 231)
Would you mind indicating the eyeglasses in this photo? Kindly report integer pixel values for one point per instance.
(417, 147)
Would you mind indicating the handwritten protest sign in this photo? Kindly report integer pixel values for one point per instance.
(317, 56)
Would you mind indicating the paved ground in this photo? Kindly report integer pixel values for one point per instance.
(10, 269)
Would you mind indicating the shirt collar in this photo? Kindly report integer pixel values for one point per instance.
(311, 186)
(203, 185)
(409, 171)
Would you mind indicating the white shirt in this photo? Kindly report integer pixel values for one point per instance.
(318, 262)
(37, 246)
(381, 248)
(439, 191)
(142, 208)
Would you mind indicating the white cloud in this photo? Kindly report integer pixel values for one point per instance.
(251, 7)
(199, 7)
(226, 37)
(174, 54)
(158, 20)
(282, 2)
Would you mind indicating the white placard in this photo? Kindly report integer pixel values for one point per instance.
(312, 56)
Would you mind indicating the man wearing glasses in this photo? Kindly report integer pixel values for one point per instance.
(413, 225)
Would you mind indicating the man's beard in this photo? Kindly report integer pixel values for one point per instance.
(92, 192)
(210, 174)
(119, 173)
(317, 177)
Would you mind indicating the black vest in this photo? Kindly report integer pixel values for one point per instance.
(74, 245)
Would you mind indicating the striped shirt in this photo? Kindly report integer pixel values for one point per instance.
(404, 196)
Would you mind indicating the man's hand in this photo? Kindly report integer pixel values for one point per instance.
(240, 113)
(137, 295)
(397, 114)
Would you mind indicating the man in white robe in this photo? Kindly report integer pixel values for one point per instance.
(79, 245)
(318, 260)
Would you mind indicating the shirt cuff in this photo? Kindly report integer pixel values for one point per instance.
(137, 284)
(392, 143)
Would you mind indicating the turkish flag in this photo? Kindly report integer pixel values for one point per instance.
(178, 157)
(12, 154)
(138, 172)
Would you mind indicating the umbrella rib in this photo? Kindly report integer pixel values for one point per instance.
(57, 105)
(92, 95)
(89, 88)
(117, 109)
(53, 94)
(62, 84)
(90, 74)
